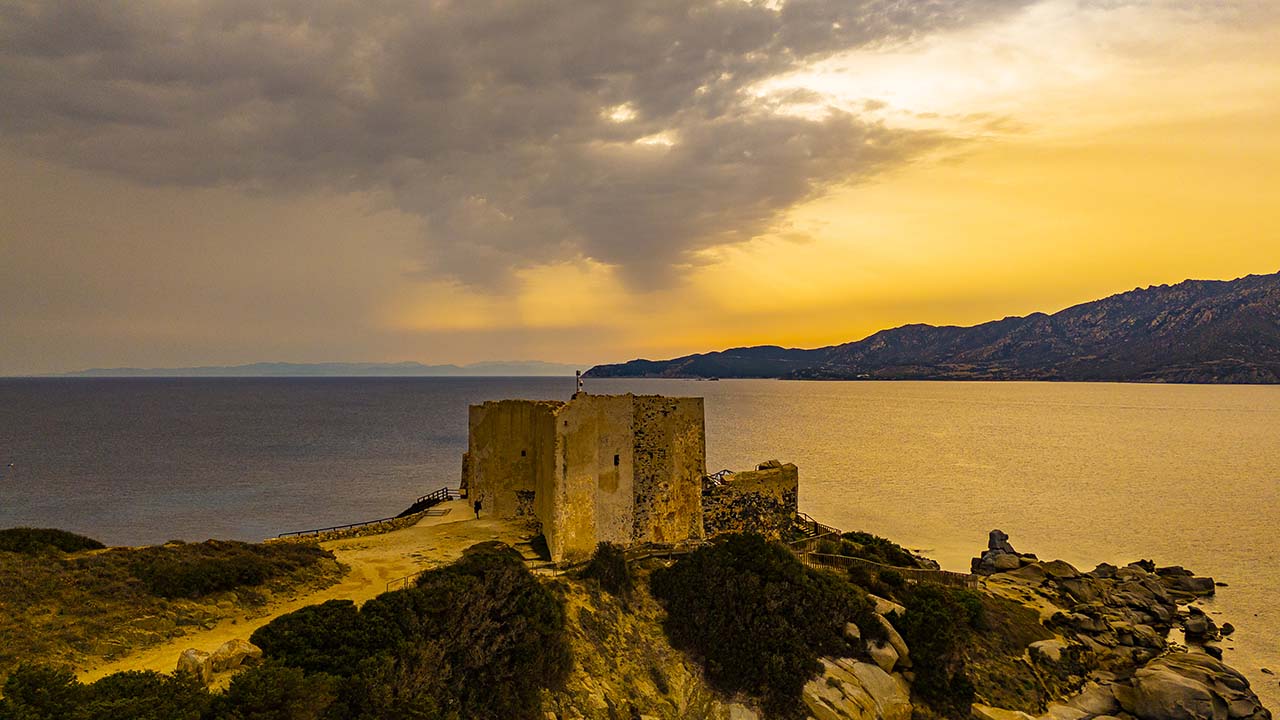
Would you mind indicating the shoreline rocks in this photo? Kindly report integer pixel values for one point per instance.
(999, 556)
(1121, 617)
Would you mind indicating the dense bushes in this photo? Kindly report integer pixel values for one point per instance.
(608, 566)
(271, 691)
(198, 569)
(755, 617)
(30, 541)
(34, 692)
(477, 639)
(325, 638)
(935, 626)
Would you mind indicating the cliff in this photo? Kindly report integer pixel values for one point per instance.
(1197, 331)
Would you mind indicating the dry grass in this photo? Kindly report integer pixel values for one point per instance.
(74, 609)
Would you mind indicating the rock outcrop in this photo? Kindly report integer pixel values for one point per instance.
(234, 653)
(228, 656)
(1118, 619)
(196, 662)
(1189, 686)
(853, 690)
(999, 556)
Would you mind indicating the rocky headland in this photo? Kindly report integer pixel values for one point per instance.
(1143, 648)
(1020, 638)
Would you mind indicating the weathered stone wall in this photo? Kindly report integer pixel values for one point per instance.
(618, 468)
(511, 448)
(590, 498)
(670, 461)
(762, 501)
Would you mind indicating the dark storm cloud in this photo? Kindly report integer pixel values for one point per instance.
(488, 119)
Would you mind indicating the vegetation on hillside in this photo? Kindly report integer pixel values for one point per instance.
(608, 566)
(36, 692)
(969, 646)
(757, 619)
(31, 541)
(936, 621)
(478, 639)
(68, 607)
(483, 638)
(877, 549)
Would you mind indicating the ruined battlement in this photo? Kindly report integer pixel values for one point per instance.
(763, 500)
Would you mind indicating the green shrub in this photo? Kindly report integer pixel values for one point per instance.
(502, 632)
(40, 692)
(609, 567)
(935, 627)
(37, 692)
(413, 682)
(829, 547)
(860, 576)
(270, 691)
(877, 549)
(145, 695)
(755, 618)
(477, 639)
(30, 541)
(325, 638)
(891, 578)
(198, 569)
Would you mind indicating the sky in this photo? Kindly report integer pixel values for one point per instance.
(196, 182)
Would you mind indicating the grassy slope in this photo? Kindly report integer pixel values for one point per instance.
(76, 608)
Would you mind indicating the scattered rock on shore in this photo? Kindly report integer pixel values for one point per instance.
(999, 556)
(234, 653)
(196, 662)
(1189, 686)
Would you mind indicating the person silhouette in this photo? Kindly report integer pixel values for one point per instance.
(477, 506)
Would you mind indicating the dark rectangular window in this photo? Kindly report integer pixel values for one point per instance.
(616, 460)
(523, 453)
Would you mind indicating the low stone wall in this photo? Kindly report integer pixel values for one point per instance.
(375, 528)
(762, 501)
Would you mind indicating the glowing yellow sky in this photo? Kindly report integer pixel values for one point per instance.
(1108, 150)
(1102, 146)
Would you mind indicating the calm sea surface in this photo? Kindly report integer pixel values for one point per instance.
(1184, 475)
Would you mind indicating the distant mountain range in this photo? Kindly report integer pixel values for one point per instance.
(401, 369)
(1198, 331)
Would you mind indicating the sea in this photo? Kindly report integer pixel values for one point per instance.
(1084, 472)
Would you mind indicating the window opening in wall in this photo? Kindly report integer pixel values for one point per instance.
(524, 453)
(616, 460)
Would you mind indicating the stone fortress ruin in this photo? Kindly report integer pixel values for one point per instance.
(626, 469)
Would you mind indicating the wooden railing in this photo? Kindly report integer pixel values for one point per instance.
(431, 499)
(806, 548)
(844, 562)
(426, 502)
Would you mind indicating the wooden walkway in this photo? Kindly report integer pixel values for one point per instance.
(817, 533)
(421, 505)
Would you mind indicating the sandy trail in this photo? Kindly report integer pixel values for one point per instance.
(374, 560)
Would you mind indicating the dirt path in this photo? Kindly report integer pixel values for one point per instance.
(374, 560)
